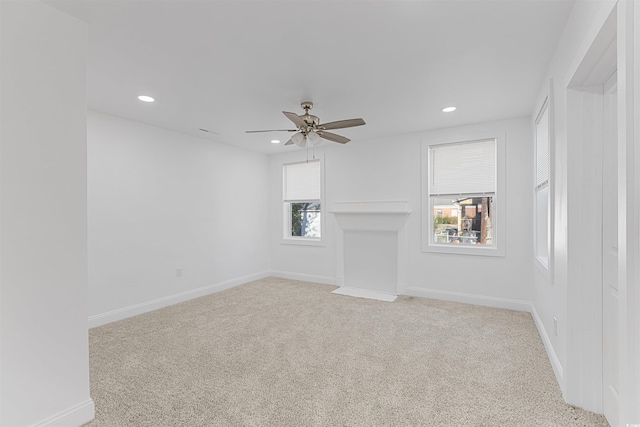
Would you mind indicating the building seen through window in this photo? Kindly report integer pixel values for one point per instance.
(463, 221)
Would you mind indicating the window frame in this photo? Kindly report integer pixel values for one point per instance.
(545, 267)
(438, 138)
(287, 238)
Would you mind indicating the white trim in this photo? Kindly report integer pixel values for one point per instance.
(327, 280)
(543, 268)
(558, 370)
(629, 211)
(364, 293)
(304, 241)
(552, 182)
(75, 416)
(134, 310)
(496, 302)
(463, 249)
(371, 206)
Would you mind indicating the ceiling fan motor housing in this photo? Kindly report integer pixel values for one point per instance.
(311, 120)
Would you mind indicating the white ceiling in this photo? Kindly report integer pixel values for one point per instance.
(231, 66)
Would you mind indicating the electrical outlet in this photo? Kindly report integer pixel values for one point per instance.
(555, 326)
(178, 272)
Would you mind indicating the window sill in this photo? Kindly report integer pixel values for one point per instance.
(475, 250)
(302, 242)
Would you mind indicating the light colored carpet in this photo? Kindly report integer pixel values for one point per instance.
(278, 352)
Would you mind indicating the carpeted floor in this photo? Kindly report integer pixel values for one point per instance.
(277, 352)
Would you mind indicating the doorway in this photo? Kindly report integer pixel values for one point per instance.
(593, 375)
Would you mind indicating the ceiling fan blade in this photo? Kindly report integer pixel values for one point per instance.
(271, 130)
(341, 124)
(295, 119)
(289, 142)
(333, 137)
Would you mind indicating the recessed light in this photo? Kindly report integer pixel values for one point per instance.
(275, 141)
(145, 98)
(448, 109)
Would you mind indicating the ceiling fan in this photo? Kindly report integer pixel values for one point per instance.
(310, 131)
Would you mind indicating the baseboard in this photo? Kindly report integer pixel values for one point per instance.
(496, 302)
(553, 357)
(134, 310)
(74, 416)
(327, 280)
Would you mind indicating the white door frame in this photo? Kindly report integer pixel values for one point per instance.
(584, 297)
(585, 122)
(610, 286)
(586, 144)
(628, 17)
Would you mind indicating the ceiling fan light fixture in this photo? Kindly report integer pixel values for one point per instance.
(146, 98)
(275, 141)
(448, 109)
(299, 139)
(313, 138)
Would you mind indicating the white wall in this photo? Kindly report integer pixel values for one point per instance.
(550, 292)
(43, 263)
(390, 169)
(576, 350)
(159, 201)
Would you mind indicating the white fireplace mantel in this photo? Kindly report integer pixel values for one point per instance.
(372, 245)
(385, 215)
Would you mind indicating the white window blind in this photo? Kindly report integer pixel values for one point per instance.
(542, 148)
(464, 168)
(302, 181)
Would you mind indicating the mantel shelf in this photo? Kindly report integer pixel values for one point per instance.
(371, 208)
(374, 216)
(371, 212)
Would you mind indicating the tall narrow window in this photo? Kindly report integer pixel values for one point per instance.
(462, 184)
(542, 211)
(302, 189)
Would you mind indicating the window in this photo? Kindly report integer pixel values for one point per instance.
(462, 182)
(302, 191)
(542, 211)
